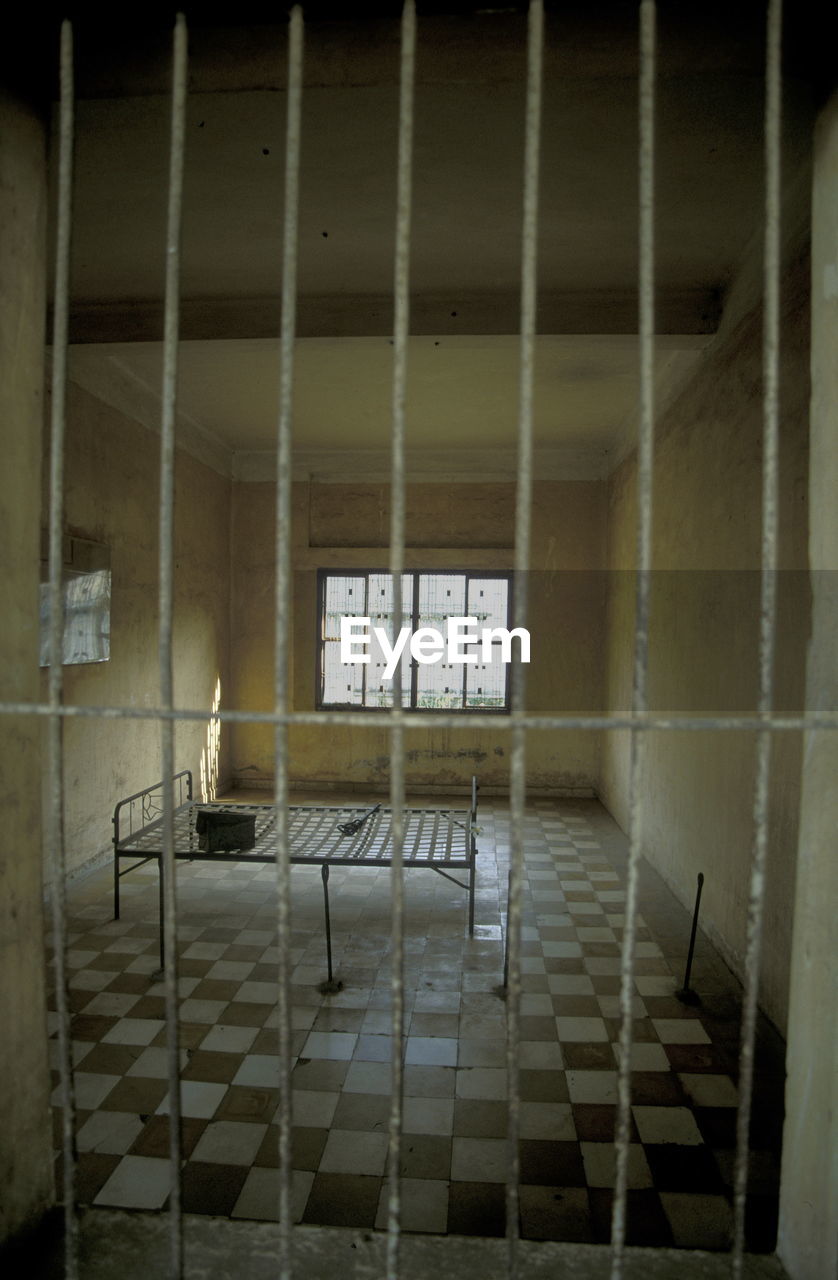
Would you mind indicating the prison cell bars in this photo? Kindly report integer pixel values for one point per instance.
(814, 720)
(282, 623)
(523, 505)
(768, 617)
(639, 722)
(401, 317)
(640, 699)
(54, 816)
(166, 613)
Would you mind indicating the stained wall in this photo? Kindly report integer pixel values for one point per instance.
(697, 790)
(111, 497)
(25, 1147)
(807, 1240)
(449, 525)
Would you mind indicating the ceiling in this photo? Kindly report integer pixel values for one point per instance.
(465, 256)
(462, 399)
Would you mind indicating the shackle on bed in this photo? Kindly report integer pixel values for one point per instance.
(349, 828)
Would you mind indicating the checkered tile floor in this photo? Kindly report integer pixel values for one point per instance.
(455, 1113)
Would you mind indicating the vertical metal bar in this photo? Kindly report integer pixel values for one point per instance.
(414, 669)
(366, 611)
(523, 508)
(161, 916)
(166, 598)
(768, 616)
(645, 464)
(327, 919)
(282, 616)
(685, 995)
(54, 816)
(401, 318)
(472, 875)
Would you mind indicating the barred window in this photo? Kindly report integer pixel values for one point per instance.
(476, 681)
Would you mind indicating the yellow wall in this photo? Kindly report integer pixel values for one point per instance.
(449, 525)
(807, 1236)
(698, 788)
(111, 496)
(26, 1181)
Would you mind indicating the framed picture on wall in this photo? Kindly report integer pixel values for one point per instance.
(86, 592)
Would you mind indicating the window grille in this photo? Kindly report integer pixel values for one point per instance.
(429, 600)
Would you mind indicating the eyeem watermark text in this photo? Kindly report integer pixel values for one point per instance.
(427, 644)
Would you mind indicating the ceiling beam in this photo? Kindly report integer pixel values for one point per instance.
(694, 311)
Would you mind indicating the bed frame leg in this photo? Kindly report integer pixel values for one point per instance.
(506, 939)
(471, 880)
(162, 913)
(330, 986)
(115, 885)
(324, 871)
(472, 839)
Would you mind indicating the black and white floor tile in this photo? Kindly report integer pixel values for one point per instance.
(454, 1147)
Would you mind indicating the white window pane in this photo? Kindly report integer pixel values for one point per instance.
(380, 599)
(440, 685)
(344, 597)
(342, 682)
(486, 682)
(488, 601)
(441, 595)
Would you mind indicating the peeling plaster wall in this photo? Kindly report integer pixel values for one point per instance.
(449, 525)
(698, 787)
(111, 496)
(807, 1241)
(26, 1181)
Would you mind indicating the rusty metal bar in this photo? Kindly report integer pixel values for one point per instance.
(401, 321)
(645, 464)
(768, 618)
(165, 628)
(54, 814)
(523, 509)
(281, 622)
(820, 721)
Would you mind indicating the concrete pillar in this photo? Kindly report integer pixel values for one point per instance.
(26, 1182)
(808, 1230)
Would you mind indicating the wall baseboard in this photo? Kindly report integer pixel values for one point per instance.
(425, 788)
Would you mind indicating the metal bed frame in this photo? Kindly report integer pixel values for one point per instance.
(443, 840)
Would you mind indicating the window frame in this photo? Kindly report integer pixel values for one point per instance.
(410, 704)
